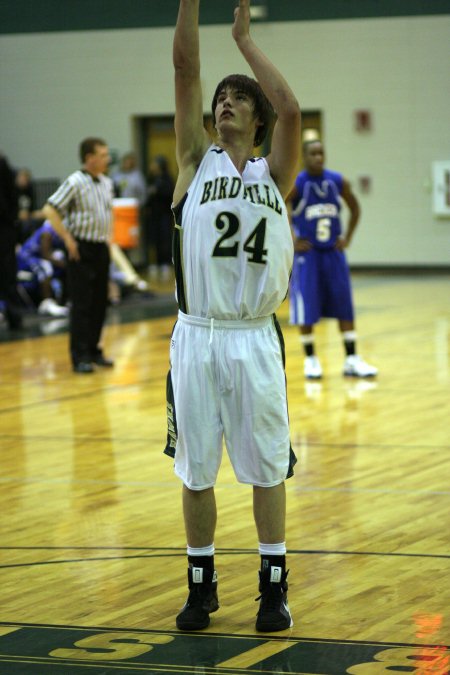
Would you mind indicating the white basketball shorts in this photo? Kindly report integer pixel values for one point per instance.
(229, 384)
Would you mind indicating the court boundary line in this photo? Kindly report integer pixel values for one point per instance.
(247, 636)
(181, 553)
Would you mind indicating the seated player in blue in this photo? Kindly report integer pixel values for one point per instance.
(42, 256)
(320, 283)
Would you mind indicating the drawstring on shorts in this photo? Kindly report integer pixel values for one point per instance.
(211, 332)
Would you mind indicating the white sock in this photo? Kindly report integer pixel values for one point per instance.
(205, 550)
(349, 336)
(272, 549)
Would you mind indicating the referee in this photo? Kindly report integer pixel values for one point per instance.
(80, 211)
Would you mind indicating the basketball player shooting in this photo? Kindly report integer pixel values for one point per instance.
(233, 254)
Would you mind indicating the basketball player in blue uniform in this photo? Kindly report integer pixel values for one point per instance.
(320, 284)
(43, 254)
(233, 254)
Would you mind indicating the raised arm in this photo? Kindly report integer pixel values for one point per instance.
(285, 151)
(191, 137)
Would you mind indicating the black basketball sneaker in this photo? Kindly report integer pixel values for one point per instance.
(273, 613)
(202, 599)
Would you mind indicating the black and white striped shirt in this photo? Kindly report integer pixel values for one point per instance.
(85, 203)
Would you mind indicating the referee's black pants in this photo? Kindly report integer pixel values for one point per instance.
(88, 291)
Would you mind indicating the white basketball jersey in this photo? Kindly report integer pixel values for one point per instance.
(233, 248)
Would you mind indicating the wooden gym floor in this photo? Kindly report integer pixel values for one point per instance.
(92, 545)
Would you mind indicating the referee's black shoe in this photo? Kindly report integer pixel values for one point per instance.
(202, 599)
(101, 360)
(83, 367)
(273, 614)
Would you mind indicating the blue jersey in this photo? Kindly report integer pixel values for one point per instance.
(31, 248)
(316, 211)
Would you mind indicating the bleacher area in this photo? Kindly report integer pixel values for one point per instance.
(43, 188)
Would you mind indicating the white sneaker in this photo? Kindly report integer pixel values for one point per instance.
(140, 285)
(312, 368)
(49, 307)
(354, 366)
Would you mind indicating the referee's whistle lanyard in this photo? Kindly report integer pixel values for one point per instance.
(211, 331)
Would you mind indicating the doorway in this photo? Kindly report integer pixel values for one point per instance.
(157, 136)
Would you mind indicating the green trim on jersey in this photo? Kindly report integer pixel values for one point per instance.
(292, 457)
(177, 255)
(172, 427)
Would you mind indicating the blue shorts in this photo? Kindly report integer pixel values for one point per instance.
(320, 287)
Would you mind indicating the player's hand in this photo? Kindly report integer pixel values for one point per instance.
(301, 244)
(72, 248)
(342, 243)
(241, 26)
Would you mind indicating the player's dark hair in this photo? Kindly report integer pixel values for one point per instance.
(88, 146)
(262, 107)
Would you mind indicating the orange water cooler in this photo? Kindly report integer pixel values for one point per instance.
(126, 222)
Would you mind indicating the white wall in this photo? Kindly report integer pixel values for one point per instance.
(57, 88)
